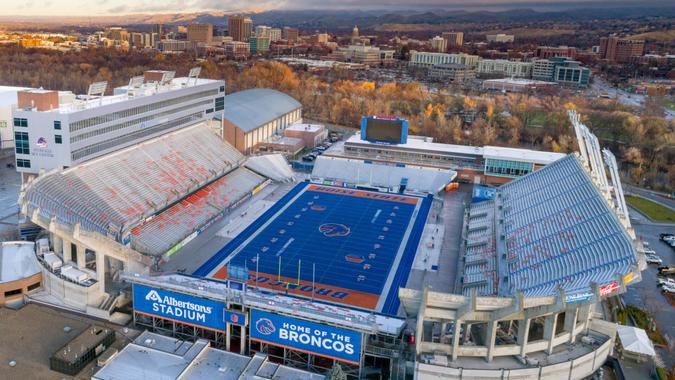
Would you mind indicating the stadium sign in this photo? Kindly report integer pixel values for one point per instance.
(178, 307)
(323, 340)
(579, 297)
(609, 288)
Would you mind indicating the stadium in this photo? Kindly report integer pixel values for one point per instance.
(382, 266)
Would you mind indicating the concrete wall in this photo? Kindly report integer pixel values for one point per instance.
(22, 285)
(578, 368)
(72, 295)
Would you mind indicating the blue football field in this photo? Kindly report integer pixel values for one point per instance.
(342, 245)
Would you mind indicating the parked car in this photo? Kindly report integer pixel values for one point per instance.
(661, 281)
(668, 289)
(309, 157)
(650, 251)
(653, 259)
(666, 270)
(666, 236)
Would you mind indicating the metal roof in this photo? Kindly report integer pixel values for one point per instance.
(17, 261)
(250, 109)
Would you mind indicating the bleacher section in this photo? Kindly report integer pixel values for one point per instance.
(558, 232)
(272, 166)
(162, 232)
(114, 193)
(419, 178)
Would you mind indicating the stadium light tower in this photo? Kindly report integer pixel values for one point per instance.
(610, 160)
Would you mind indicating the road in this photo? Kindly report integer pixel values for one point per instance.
(655, 196)
(645, 294)
(635, 100)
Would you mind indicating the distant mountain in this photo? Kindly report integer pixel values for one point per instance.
(369, 19)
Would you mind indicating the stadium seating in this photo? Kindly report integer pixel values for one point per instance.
(558, 231)
(114, 193)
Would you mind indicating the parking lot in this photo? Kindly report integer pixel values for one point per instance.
(645, 294)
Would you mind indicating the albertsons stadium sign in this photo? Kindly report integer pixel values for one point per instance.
(184, 308)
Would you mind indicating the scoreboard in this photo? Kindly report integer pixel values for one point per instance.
(384, 129)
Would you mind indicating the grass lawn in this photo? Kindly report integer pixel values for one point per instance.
(652, 209)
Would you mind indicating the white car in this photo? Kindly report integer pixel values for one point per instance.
(653, 259)
(663, 281)
(649, 251)
(668, 289)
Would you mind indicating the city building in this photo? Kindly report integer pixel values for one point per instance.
(175, 46)
(355, 39)
(274, 34)
(499, 38)
(543, 69)
(237, 49)
(200, 33)
(571, 73)
(291, 34)
(427, 59)
(117, 34)
(174, 359)
(620, 50)
(246, 124)
(439, 44)
(452, 72)
(320, 38)
(55, 129)
(159, 30)
(310, 134)
(496, 68)
(259, 44)
(8, 101)
(453, 39)
(240, 28)
(20, 272)
(262, 31)
(560, 51)
(367, 55)
(518, 85)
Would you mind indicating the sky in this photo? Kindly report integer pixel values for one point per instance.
(121, 7)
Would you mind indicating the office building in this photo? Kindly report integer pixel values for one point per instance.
(620, 50)
(559, 51)
(367, 55)
(571, 73)
(200, 33)
(427, 59)
(246, 124)
(175, 46)
(438, 44)
(452, 72)
(499, 38)
(291, 34)
(274, 34)
(237, 49)
(518, 85)
(55, 129)
(453, 38)
(500, 68)
(542, 69)
(320, 38)
(117, 34)
(8, 100)
(159, 29)
(259, 44)
(262, 31)
(240, 28)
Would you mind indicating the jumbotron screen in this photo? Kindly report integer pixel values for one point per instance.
(388, 130)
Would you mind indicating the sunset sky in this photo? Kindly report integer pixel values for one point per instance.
(117, 7)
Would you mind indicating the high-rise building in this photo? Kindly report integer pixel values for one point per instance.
(259, 44)
(240, 28)
(439, 44)
(159, 29)
(274, 34)
(620, 50)
(237, 49)
(55, 129)
(137, 40)
(453, 38)
(262, 31)
(200, 33)
(117, 33)
(291, 34)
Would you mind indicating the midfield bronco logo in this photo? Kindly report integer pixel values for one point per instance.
(334, 229)
(265, 326)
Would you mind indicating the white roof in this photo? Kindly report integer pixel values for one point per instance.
(635, 340)
(421, 144)
(515, 154)
(17, 261)
(305, 127)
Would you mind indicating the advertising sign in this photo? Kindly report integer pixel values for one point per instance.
(332, 342)
(579, 297)
(609, 288)
(178, 307)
